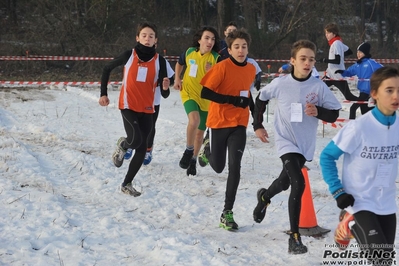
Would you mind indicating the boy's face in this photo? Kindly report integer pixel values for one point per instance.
(359, 54)
(229, 29)
(329, 35)
(239, 50)
(147, 37)
(387, 96)
(303, 62)
(206, 42)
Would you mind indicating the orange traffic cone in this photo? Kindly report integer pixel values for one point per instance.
(307, 220)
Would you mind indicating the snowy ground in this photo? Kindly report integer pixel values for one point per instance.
(60, 203)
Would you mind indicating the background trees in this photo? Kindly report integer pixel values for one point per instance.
(107, 27)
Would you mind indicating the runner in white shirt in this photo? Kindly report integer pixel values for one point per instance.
(336, 54)
(367, 188)
(301, 101)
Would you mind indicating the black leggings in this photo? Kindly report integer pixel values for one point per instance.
(150, 141)
(137, 126)
(291, 175)
(233, 141)
(375, 232)
(363, 106)
(343, 86)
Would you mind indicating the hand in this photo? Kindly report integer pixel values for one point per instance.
(239, 101)
(261, 133)
(103, 101)
(257, 85)
(177, 85)
(208, 66)
(165, 83)
(322, 60)
(339, 71)
(345, 200)
(311, 110)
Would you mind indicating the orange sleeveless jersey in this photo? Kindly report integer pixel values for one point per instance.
(229, 79)
(138, 85)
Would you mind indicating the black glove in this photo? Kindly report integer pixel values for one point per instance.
(339, 71)
(257, 85)
(322, 60)
(345, 200)
(239, 101)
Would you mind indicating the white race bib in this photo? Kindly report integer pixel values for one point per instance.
(296, 112)
(141, 74)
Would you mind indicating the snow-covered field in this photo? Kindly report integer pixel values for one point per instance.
(61, 205)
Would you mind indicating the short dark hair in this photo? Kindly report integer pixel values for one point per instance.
(296, 46)
(238, 34)
(231, 23)
(332, 27)
(146, 25)
(198, 35)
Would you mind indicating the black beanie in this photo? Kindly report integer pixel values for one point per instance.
(364, 48)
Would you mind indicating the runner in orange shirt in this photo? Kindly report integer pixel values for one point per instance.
(136, 100)
(227, 85)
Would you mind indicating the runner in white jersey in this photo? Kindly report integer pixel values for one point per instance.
(336, 55)
(301, 101)
(367, 188)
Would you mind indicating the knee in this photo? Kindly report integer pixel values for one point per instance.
(285, 185)
(218, 168)
(136, 142)
(298, 186)
(193, 121)
(218, 171)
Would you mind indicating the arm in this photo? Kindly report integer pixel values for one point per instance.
(348, 52)
(260, 108)
(178, 81)
(285, 67)
(237, 101)
(165, 87)
(165, 93)
(178, 71)
(117, 61)
(258, 80)
(327, 115)
(209, 94)
(260, 131)
(329, 170)
(336, 60)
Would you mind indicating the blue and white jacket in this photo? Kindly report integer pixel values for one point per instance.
(363, 69)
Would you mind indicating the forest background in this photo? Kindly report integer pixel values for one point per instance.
(105, 28)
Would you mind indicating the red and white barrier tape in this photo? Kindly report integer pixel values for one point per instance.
(52, 58)
(169, 57)
(360, 102)
(35, 83)
(273, 75)
(339, 120)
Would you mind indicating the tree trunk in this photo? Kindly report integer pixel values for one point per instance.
(362, 28)
(380, 26)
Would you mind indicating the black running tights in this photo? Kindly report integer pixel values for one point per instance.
(232, 141)
(137, 126)
(343, 87)
(291, 175)
(150, 141)
(375, 234)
